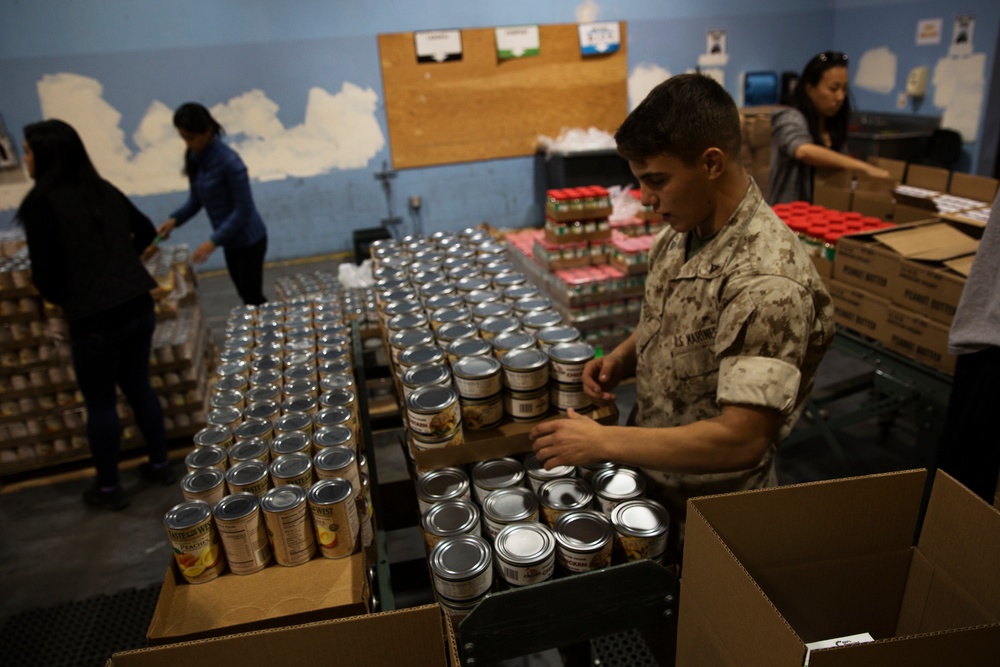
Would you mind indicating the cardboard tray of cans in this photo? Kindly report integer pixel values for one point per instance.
(511, 437)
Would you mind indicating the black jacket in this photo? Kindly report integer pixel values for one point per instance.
(85, 250)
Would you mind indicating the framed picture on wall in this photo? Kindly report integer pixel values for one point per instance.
(8, 156)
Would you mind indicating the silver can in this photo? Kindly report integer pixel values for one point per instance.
(219, 436)
(494, 326)
(305, 403)
(449, 518)
(494, 475)
(194, 540)
(562, 397)
(334, 512)
(244, 536)
(338, 461)
(442, 484)
(461, 568)
(584, 541)
(447, 334)
(251, 476)
(488, 309)
(525, 370)
(477, 377)
(538, 475)
(227, 417)
(508, 506)
(541, 319)
(292, 469)
(525, 553)
(334, 436)
(293, 422)
(617, 485)
(562, 495)
(246, 450)
(526, 406)
(641, 530)
(556, 335)
(510, 341)
(257, 428)
(433, 411)
(286, 515)
(482, 413)
(291, 443)
(568, 360)
(208, 484)
(468, 347)
(209, 456)
(425, 375)
(407, 338)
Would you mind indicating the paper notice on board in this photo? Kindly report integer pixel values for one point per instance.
(929, 32)
(438, 46)
(716, 52)
(599, 38)
(517, 42)
(961, 36)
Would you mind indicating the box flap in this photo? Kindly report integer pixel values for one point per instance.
(961, 265)
(966, 647)
(931, 242)
(923, 176)
(408, 637)
(960, 540)
(317, 590)
(725, 620)
(896, 168)
(829, 512)
(981, 188)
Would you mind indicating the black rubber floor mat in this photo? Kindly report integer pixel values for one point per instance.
(79, 634)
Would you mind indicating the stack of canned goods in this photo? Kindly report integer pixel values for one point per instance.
(471, 341)
(508, 523)
(284, 429)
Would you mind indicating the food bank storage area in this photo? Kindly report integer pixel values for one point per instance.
(883, 547)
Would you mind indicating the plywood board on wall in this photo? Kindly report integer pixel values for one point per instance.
(480, 108)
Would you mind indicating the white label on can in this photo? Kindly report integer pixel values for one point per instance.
(524, 575)
(337, 528)
(567, 373)
(434, 425)
(291, 535)
(569, 399)
(526, 408)
(465, 590)
(245, 543)
(478, 387)
(526, 380)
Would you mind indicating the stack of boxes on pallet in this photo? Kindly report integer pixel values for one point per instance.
(42, 415)
(278, 475)
(478, 358)
(592, 268)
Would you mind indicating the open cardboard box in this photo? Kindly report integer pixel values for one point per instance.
(767, 571)
(411, 637)
(277, 596)
(979, 191)
(511, 437)
(909, 265)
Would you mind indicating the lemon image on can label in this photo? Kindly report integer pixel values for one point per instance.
(329, 535)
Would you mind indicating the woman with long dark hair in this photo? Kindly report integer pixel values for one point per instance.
(220, 183)
(813, 132)
(84, 241)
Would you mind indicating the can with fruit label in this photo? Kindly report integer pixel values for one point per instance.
(335, 517)
(286, 517)
(194, 540)
(244, 538)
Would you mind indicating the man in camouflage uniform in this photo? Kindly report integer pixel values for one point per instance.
(734, 322)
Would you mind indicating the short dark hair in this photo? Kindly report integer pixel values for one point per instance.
(683, 116)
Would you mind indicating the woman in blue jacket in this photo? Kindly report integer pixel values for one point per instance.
(220, 184)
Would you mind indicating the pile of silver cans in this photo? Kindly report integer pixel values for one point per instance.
(278, 472)
(472, 343)
(508, 522)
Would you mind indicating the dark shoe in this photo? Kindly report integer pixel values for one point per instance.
(162, 475)
(116, 499)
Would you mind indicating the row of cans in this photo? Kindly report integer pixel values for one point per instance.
(246, 532)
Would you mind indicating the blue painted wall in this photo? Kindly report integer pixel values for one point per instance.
(212, 50)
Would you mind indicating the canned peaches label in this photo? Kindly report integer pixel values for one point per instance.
(198, 556)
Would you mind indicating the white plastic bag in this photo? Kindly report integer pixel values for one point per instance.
(356, 275)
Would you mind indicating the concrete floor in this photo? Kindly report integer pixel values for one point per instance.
(54, 549)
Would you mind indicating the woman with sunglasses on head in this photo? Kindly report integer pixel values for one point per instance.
(813, 132)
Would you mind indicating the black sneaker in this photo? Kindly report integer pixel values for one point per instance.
(116, 499)
(162, 475)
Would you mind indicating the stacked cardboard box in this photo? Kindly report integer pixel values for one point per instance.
(755, 126)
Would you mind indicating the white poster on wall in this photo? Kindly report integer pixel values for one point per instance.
(929, 31)
(716, 52)
(961, 36)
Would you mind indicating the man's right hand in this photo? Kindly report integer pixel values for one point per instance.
(165, 229)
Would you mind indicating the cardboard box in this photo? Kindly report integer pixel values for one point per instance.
(277, 596)
(862, 262)
(509, 438)
(411, 637)
(833, 189)
(923, 176)
(767, 571)
(919, 338)
(858, 310)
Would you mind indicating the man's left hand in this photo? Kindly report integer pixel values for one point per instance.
(574, 441)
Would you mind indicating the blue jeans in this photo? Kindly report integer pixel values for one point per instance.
(110, 352)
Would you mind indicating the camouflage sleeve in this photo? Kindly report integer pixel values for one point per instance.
(763, 339)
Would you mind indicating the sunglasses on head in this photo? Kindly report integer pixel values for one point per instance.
(833, 57)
